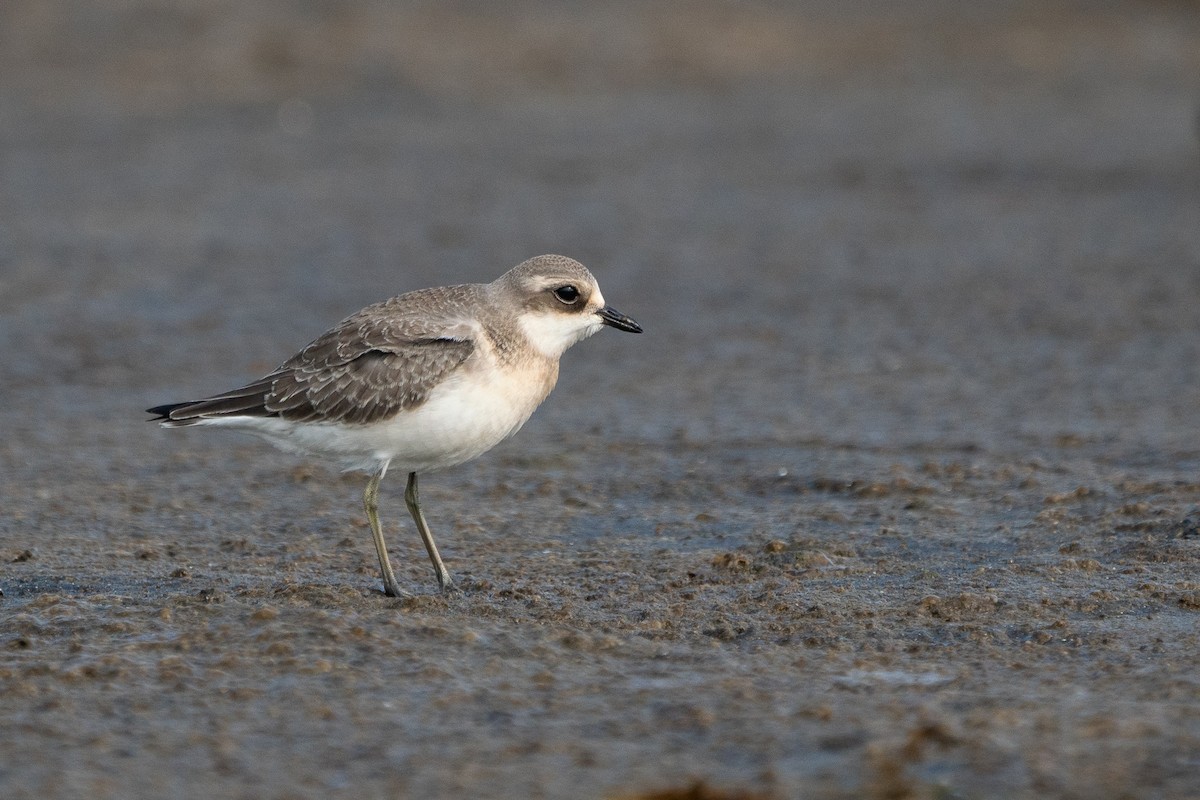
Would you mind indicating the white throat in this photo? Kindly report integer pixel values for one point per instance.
(551, 333)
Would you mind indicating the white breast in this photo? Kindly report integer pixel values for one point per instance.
(465, 417)
(469, 414)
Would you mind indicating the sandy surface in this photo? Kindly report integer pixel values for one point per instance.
(895, 497)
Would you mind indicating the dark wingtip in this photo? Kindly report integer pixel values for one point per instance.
(163, 412)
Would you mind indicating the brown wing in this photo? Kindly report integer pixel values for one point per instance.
(371, 385)
(382, 360)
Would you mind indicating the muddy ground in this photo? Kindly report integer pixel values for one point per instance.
(894, 498)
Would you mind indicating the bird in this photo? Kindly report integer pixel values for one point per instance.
(422, 382)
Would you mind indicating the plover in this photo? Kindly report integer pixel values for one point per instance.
(421, 382)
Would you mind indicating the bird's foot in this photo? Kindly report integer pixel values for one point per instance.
(394, 590)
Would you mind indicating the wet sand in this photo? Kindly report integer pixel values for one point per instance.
(896, 497)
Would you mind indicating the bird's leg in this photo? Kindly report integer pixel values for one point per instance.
(414, 508)
(371, 504)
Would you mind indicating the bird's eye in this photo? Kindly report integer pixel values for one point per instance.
(567, 294)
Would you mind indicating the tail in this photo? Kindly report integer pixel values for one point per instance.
(164, 415)
(249, 401)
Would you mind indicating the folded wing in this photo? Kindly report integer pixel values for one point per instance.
(385, 359)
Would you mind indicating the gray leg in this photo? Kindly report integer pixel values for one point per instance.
(371, 504)
(414, 508)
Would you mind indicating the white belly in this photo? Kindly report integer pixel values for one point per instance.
(463, 418)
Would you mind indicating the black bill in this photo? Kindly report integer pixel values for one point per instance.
(618, 320)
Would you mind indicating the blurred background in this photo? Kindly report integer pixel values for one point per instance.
(938, 222)
(896, 483)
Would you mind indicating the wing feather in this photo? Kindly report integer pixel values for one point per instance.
(385, 359)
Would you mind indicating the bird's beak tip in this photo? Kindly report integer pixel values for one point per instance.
(610, 316)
